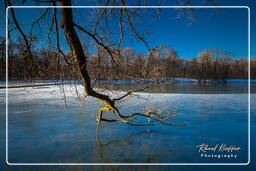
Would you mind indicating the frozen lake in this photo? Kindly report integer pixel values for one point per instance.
(42, 130)
(177, 85)
(188, 87)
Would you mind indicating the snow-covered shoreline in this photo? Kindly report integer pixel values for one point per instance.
(138, 81)
(55, 95)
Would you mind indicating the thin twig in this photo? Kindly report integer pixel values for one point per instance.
(110, 52)
(132, 27)
(23, 36)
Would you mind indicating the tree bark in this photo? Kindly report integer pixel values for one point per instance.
(74, 44)
(67, 24)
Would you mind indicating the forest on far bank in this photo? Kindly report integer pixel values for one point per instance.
(210, 64)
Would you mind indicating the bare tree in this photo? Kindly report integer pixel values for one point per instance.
(79, 56)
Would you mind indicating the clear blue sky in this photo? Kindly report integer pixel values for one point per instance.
(225, 28)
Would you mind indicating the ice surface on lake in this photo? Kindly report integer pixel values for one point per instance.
(39, 123)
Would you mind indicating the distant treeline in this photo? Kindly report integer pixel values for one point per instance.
(211, 64)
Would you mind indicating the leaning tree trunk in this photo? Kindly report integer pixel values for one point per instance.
(77, 50)
(74, 43)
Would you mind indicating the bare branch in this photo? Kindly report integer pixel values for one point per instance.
(102, 12)
(23, 36)
(132, 27)
(121, 28)
(38, 20)
(130, 92)
(110, 52)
